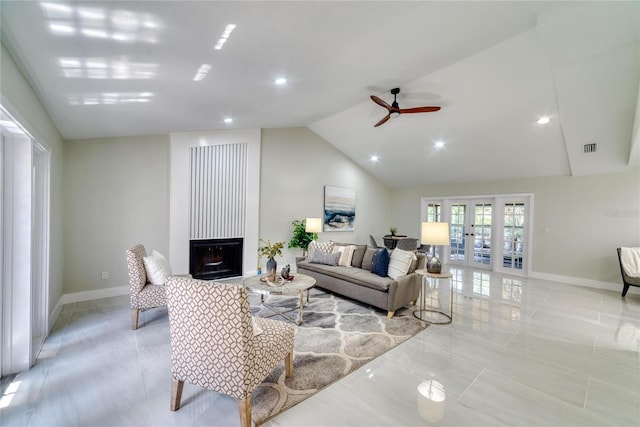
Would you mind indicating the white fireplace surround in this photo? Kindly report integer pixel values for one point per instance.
(179, 237)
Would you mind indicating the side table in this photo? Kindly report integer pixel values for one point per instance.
(434, 315)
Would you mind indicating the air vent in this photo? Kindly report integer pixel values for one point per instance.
(590, 148)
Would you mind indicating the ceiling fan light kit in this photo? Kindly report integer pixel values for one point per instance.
(394, 108)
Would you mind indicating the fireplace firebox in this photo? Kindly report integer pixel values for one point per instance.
(215, 258)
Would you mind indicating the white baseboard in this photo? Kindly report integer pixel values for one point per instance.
(84, 296)
(578, 281)
(97, 294)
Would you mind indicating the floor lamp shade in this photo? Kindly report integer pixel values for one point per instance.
(434, 233)
(313, 225)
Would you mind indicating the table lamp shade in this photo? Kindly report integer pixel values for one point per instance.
(435, 233)
(313, 225)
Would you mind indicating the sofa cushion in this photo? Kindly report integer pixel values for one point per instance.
(358, 255)
(346, 253)
(380, 262)
(414, 263)
(400, 263)
(357, 276)
(320, 257)
(367, 258)
(325, 247)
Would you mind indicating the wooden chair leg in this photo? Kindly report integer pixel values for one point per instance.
(244, 405)
(134, 318)
(288, 365)
(176, 394)
(390, 314)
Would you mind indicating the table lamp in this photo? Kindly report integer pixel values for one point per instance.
(313, 225)
(435, 233)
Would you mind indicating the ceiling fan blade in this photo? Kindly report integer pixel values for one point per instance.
(418, 110)
(383, 120)
(380, 102)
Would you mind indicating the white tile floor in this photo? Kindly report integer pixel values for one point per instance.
(520, 352)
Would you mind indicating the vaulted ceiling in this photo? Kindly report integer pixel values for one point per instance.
(109, 68)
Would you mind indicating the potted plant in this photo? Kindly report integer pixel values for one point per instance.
(270, 251)
(393, 230)
(301, 238)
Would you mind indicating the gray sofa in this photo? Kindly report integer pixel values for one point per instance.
(361, 284)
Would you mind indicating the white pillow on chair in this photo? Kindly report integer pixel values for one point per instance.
(157, 268)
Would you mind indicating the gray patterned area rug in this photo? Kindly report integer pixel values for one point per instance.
(337, 337)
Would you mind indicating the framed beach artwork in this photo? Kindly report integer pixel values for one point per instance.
(339, 208)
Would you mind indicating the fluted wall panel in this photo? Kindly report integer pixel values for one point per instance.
(218, 191)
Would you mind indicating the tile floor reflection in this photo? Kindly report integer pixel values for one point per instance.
(519, 352)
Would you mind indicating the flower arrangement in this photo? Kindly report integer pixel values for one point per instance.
(270, 250)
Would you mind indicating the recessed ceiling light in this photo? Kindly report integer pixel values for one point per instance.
(280, 81)
(439, 144)
(374, 158)
(543, 120)
(228, 120)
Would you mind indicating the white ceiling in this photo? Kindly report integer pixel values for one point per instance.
(107, 68)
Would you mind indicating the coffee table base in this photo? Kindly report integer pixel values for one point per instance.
(278, 312)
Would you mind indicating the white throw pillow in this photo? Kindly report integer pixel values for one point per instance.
(157, 268)
(400, 262)
(346, 254)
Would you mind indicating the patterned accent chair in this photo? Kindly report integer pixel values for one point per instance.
(143, 294)
(218, 345)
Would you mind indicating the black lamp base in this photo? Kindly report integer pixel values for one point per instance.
(434, 266)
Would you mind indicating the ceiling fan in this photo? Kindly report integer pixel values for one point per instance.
(395, 109)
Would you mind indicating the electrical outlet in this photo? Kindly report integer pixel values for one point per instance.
(105, 275)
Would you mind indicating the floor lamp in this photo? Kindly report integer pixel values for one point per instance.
(435, 233)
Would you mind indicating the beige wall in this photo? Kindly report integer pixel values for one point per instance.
(117, 195)
(20, 100)
(296, 165)
(587, 218)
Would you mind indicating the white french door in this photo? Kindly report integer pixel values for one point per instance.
(485, 232)
(471, 232)
(24, 241)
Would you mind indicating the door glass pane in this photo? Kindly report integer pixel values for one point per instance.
(513, 235)
(433, 215)
(433, 212)
(458, 213)
(482, 233)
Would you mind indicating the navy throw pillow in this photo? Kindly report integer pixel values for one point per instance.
(380, 262)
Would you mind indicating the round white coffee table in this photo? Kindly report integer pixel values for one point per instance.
(295, 287)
